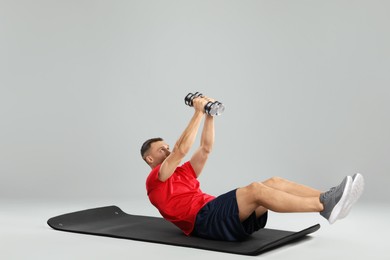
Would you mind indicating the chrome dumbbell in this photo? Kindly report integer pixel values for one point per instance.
(211, 108)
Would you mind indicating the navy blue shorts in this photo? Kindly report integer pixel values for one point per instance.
(219, 220)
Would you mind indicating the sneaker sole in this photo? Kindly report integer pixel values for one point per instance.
(356, 192)
(334, 215)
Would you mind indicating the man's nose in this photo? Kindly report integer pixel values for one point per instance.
(166, 150)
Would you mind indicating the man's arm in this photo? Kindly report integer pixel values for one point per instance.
(198, 160)
(184, 143)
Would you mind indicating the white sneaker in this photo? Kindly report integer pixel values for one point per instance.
(356, 192)
(335, 199)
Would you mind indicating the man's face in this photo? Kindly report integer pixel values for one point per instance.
(159, 151)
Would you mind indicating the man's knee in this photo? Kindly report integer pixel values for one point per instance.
(255, 188)
(274, 181)
(250, 195)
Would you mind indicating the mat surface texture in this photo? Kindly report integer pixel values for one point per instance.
(111, 221)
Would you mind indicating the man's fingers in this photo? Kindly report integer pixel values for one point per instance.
(199, 103)
(210, 99)
(207, 99)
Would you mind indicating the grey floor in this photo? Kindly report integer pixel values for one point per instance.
(25, 235)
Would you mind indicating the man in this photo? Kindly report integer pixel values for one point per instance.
(175, 191)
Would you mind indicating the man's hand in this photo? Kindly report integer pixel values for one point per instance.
(200, 102)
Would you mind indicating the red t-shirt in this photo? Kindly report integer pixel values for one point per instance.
(179, 198)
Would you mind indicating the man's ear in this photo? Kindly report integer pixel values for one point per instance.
(149, 159)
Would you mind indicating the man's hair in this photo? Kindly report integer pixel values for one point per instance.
(146, 145)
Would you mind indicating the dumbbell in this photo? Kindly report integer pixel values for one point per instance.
(211, 108)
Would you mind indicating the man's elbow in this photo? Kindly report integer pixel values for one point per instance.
(207, 149)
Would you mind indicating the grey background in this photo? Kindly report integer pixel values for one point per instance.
(84, 83)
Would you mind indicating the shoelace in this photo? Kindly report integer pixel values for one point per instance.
(327, 194)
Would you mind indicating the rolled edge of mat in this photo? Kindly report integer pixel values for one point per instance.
(286, 240)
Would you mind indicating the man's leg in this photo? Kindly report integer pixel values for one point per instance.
(332, 204)
(332, 213)
(291, 187)
(257, 194)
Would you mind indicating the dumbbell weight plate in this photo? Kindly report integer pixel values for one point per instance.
(210, 108)
(188, 99)
(220, 108)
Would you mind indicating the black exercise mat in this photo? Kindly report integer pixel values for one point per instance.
(111, 221)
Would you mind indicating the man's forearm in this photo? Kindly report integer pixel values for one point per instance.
(187, 138)
(207, 139)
